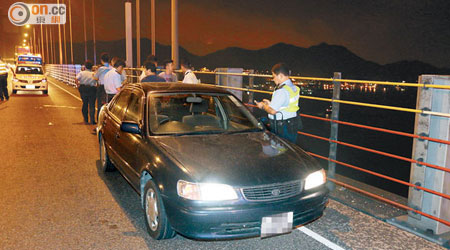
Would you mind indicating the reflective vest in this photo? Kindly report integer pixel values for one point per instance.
(293, 99)
(3, 68)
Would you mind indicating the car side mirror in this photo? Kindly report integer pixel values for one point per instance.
(130, 127)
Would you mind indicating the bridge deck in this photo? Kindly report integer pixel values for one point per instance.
(53, 195)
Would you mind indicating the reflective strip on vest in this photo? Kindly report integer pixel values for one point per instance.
(3, 69)
(293, 99)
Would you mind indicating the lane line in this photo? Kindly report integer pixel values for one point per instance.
(56, 106)
(56, 85)
(319, 238)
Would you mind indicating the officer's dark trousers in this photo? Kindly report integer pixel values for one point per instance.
(4, 87)
(286, 129)
(101, 97)
(88, 95)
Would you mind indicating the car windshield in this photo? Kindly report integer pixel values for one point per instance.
(199, 113)
(28, 70)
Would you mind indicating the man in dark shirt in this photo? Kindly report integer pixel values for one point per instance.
(150, 71)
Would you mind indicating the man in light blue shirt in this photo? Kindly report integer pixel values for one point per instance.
(282, 109)
(100, 77)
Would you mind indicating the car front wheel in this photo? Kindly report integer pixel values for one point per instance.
(155, 215)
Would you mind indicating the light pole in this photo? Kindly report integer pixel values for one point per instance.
(174, 19)
(153, 25)
(59, 40)
(84, 23)
(138, 34)
(93, 32)
(71, 46)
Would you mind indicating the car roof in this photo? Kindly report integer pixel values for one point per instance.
(173, 87)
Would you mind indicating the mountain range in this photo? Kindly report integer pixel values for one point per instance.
(316, 61)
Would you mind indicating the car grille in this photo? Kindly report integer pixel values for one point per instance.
(276, 191)
(37, 81)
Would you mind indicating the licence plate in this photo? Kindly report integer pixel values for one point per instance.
(277, 224)
(29, 86)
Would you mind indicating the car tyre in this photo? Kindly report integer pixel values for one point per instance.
(45, 92)
(156, 220)
(107, 165)
(14, 91)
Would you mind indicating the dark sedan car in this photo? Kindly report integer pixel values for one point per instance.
(204, 166)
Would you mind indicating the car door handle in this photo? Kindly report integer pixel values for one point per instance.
(117, 135)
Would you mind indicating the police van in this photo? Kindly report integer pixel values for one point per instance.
(29, 74)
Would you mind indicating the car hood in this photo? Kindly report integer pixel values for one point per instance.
(243, 159)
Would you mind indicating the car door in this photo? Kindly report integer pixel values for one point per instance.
(128, 143)
(112, 126)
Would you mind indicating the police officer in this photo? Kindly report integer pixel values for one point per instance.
(3, 81)
(86, 85)
(282, 109)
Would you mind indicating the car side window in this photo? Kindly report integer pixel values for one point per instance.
(134, 110)
(119, 107)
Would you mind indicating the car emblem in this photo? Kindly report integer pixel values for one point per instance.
(275, 192)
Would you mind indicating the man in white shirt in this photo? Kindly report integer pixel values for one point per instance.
(113, 79)
(123, 76)
(189, 76)
(86, 86)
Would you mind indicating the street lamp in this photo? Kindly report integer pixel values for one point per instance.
(26, 34)
(27, 26)
(24, 40)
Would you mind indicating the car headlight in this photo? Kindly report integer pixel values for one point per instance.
(205, 191)
(315, 179)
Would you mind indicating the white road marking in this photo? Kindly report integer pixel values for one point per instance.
(56, 106)
(319, 238)
(54, 84)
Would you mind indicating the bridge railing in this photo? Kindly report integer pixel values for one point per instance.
(65, 73)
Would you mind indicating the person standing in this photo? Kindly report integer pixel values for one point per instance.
(150, 58)
(189, 76)
(123, 75)
(3, 81)
(100, 77)
(150, 72)
(282, 109)
(113, 79)
(86, 86)
(168, 74)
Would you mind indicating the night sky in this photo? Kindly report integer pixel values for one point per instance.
(383, 31)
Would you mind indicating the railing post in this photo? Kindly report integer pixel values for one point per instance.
(251, 80)
(434, 100)
(334, 129)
